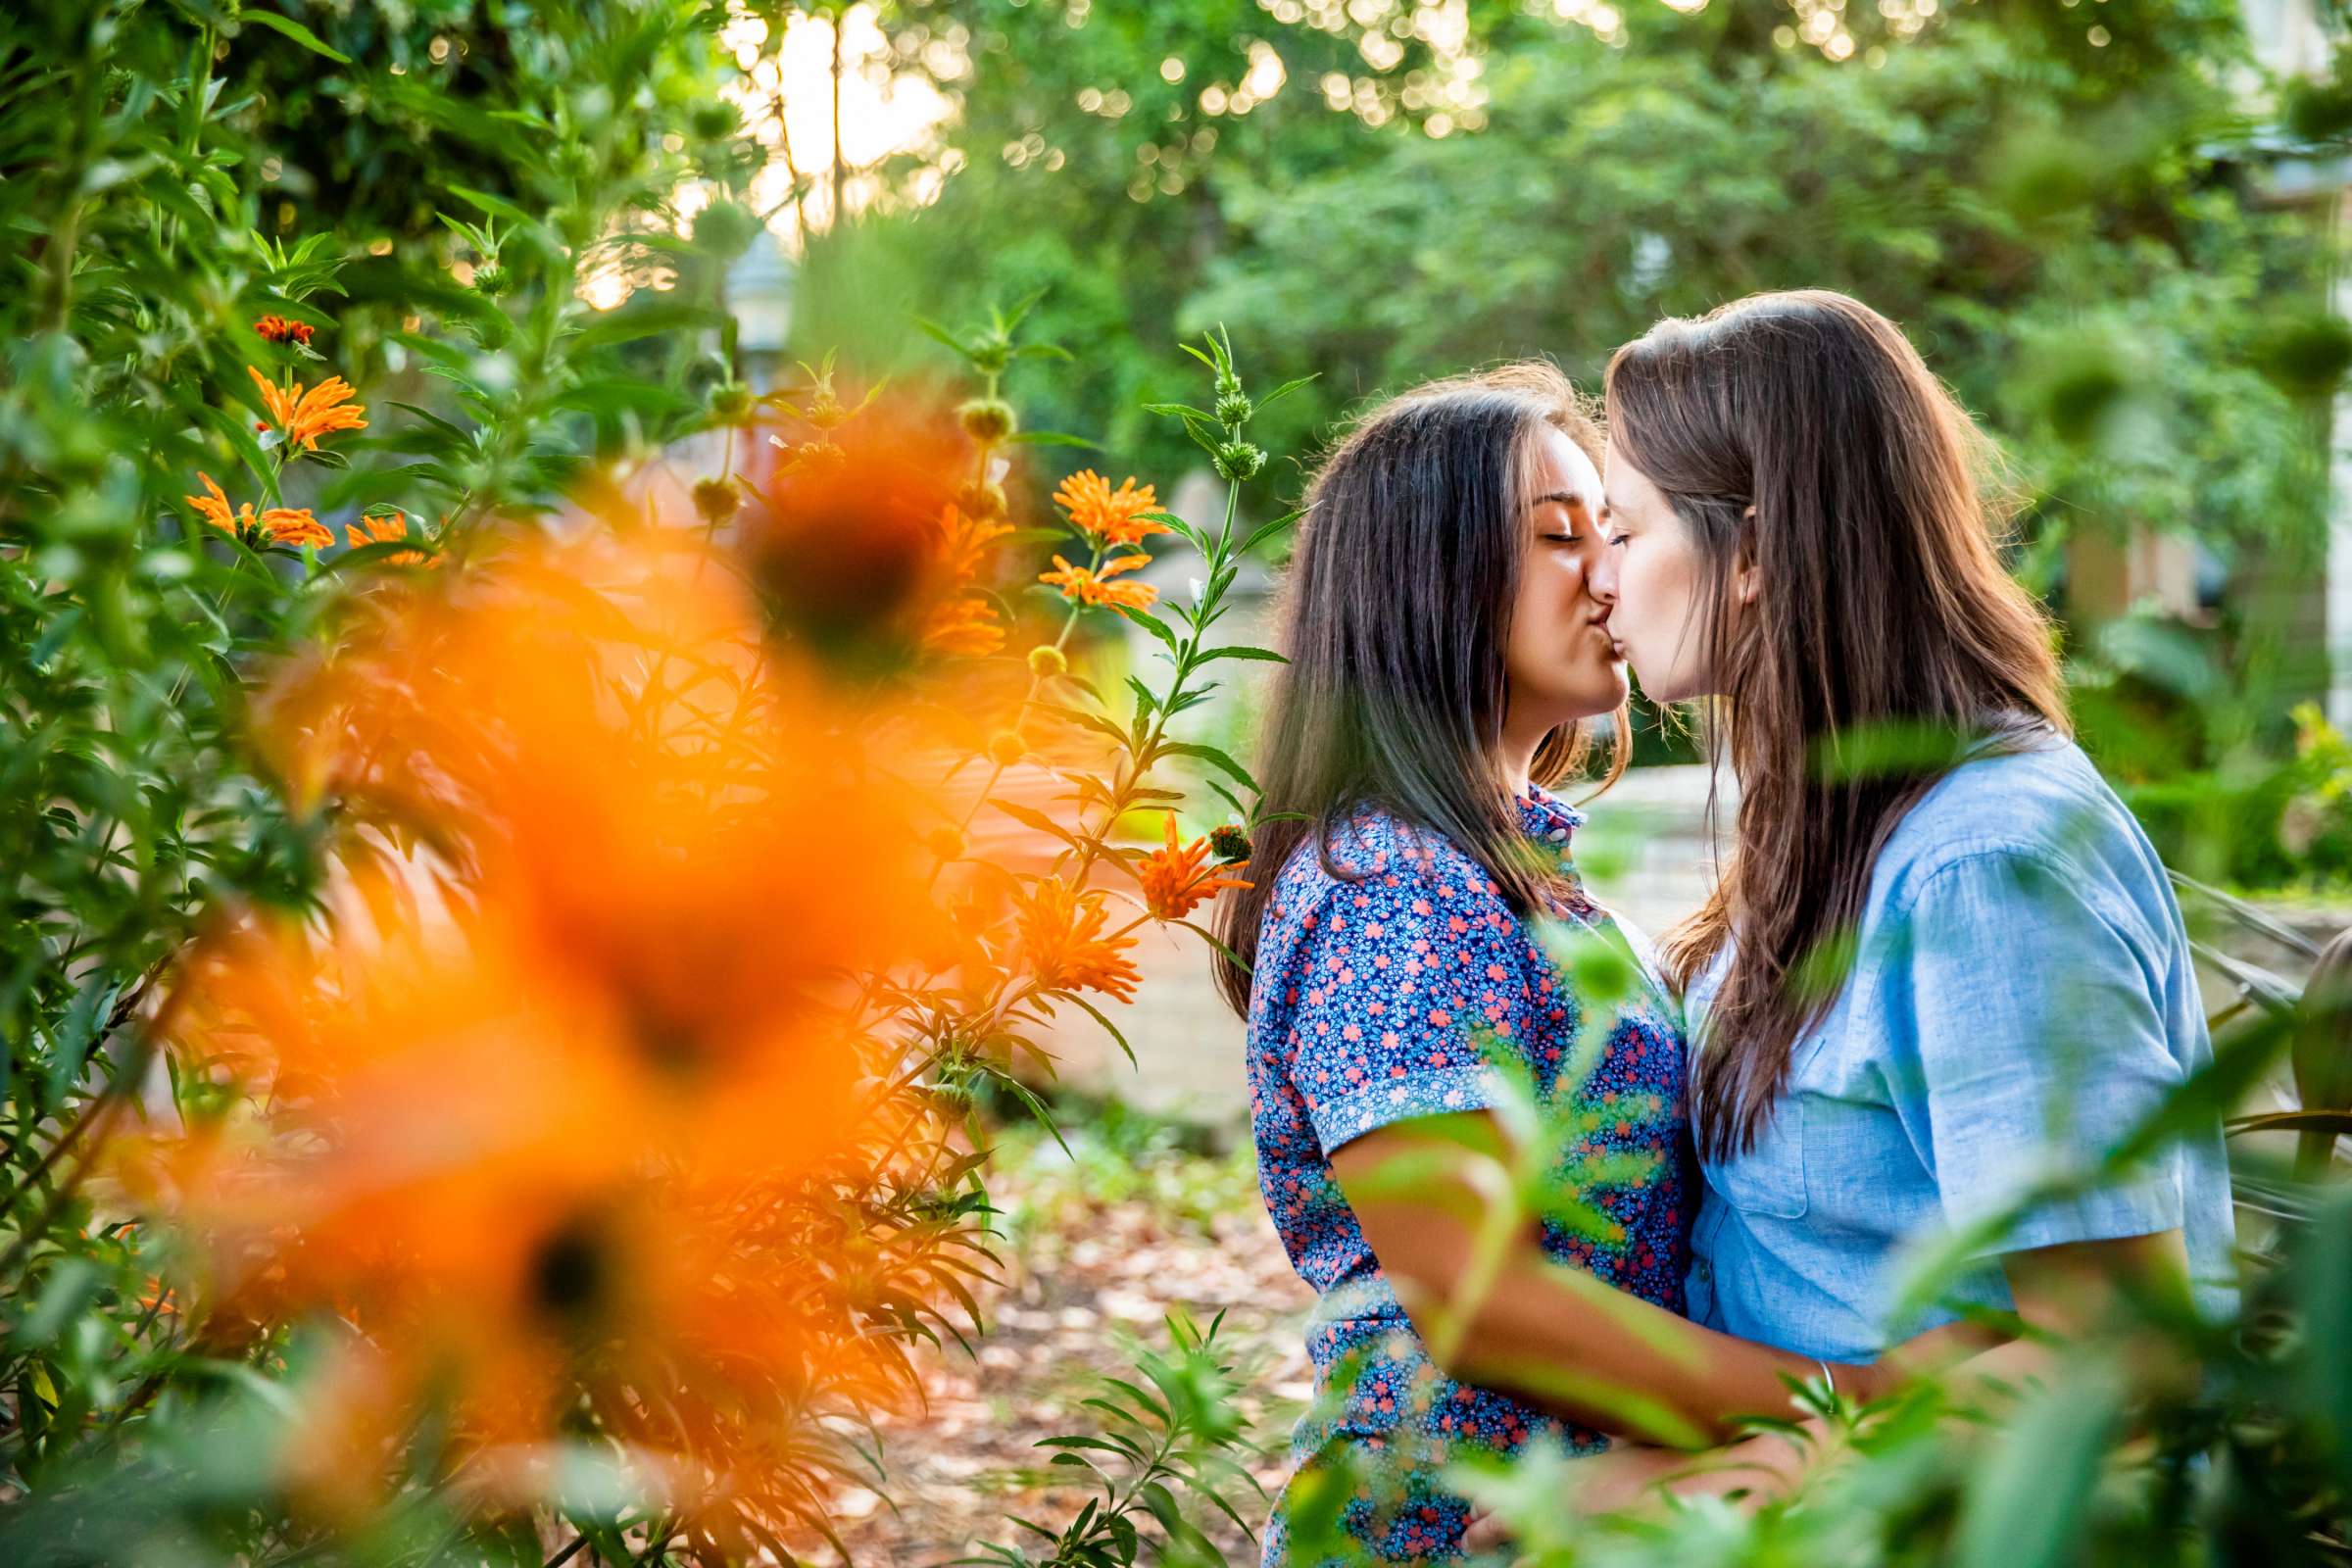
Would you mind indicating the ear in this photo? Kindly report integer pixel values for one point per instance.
(1746, 580)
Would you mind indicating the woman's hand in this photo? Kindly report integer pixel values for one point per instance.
(1632, 1476)
(1614, 1482)
(1938, 1350)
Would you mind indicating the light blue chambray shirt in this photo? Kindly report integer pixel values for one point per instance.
(2020, 999)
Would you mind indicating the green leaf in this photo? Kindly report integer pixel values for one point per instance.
(2339, 1122)
(1270, 530)
(1078, 715)
(1210, 754)
(1284, 391)
(2325, 1296)
(1100, 1019)
(1210, 937)
(650, 319)
(64, 1294)
(942, 335)
(1152, 624)
(1050, 438)
(1241, 651)
(495, 206)
(2025, 1506)
(239, 431)
(1029, 816)
(295, 31)
(1169, 519)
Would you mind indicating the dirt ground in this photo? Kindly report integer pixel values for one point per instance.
(1102, 1243)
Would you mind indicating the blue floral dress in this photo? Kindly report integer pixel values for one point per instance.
(1370, 1003)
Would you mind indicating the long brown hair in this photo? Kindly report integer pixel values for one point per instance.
(1800, 434)
(1393, 618)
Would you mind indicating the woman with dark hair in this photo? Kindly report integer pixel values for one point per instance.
(1942, 974)
(1445, 656)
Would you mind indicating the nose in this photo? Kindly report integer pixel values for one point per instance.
(1600, 577)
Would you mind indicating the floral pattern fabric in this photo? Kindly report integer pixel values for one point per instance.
(1374, 991)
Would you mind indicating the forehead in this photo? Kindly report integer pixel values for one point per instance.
(1557, 465)
(1627, 485)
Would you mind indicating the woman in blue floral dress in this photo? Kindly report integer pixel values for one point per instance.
(1445, 658)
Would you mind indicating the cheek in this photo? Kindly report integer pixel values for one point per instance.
(1656, 590)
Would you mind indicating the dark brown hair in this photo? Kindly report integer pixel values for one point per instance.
(1393, 618)
(1800, 434)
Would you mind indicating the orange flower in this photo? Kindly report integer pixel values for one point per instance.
(1062, 936)
(1083, 586)
(967, 627)
(967, 543)
(1115, 516)
(303, 416)
(659, 851)
(1177, 879)
(381, 528)
(850, 546)
(285, 526)
(277, 329)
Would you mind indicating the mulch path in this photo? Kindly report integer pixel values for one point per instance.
(1101, 1249)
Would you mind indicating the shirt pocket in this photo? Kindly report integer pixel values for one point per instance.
(1769, 1179)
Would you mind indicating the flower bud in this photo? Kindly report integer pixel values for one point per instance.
(1239, 460)
(1234, 407)
(824, 410)
(730, 402)
(1006, 748)
(946, 843)
(988, 420)
(1230, 841)
(982, 500)
(726, 228)
(715, 118)
(492, 280)
(1047, 661)
(716, 499)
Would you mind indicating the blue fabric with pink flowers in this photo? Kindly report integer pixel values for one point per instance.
(1371, 999)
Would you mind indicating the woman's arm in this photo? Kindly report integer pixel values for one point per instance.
(2062, 1292)
(1495, 1312)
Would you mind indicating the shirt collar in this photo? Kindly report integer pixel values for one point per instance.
(1545, 816)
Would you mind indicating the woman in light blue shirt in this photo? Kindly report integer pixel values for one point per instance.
(1944, 974)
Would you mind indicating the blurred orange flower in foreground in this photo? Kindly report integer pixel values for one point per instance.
(556, 1114)
(1177, 879)
(1061, 937)
(965, 625)
(303, 416)
(1114, 516)
(1080, 585)
(858, 540)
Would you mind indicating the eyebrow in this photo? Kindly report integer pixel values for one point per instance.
(1566, 498)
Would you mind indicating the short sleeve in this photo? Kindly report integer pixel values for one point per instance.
(1396, 977)
(2036, 1006)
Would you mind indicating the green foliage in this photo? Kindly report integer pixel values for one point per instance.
(174, 175)
(1171, 1440)
(2071, 232)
